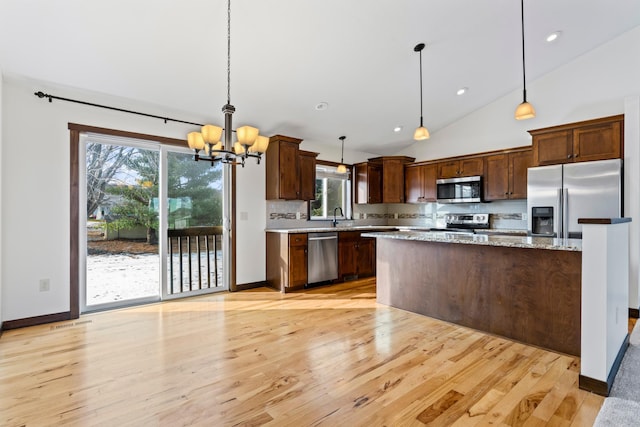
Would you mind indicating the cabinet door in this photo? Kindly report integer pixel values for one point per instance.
(307, 177)
(518, 165)
(297, 259)
(429, 191)
(496, 183)
(289, 171)
(366, 257)
(368, 183)
(450, 169)
(374, 183)
(553, 148)
(347, 253)
(393, 181)
(599, 142)
(413, 185)
(471, 167)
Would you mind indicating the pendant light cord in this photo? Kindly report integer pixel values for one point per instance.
(420, 87)
(229, 52)
(524, 78)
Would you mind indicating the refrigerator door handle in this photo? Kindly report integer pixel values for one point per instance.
(565, 213)
(560, 213)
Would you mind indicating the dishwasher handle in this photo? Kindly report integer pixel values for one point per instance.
(322, 238)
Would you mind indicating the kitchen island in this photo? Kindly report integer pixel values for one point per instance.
(524, 288)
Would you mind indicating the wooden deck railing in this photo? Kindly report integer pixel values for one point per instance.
(191, 247)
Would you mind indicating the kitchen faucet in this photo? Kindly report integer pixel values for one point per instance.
(335, 221)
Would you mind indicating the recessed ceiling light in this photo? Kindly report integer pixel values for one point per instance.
(322, 106)
(462, 91)
(397, 129)
(553, 36)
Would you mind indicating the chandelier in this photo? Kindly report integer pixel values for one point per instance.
(208, 141)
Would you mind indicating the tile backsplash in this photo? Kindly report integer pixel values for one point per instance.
(505, 214)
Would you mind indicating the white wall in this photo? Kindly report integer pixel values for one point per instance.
(605, 297)
(631, 197)
(250, 223)
(1, 240)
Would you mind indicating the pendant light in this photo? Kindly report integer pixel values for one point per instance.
(524, 110)
(342, 168)
(421, 132)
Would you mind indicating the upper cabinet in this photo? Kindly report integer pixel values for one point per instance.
(290, 172)
(307, 175)
(505, 175)
(597, 139)
(420, 183)
(381, 180)
(471, 166)
(368, 183)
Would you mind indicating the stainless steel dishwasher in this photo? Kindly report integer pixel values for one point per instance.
(322, 257)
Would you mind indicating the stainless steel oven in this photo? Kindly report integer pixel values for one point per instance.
(467, 189)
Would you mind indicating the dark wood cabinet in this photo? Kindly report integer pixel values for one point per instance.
(597, 139)
(356, 255)
(307, 175)
(381, 180)
(420, 183)
(368, 183)
(366, 257)
(298, 255)
(462, 167)
(287, 261)
(290, 172)
(506, 175)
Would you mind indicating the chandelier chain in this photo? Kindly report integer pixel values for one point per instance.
(228, 51)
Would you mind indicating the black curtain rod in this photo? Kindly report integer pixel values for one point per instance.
(40, 94)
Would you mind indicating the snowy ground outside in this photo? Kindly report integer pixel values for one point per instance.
(117, 277)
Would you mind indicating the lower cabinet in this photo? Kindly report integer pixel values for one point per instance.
(356, 255)
(286, 261)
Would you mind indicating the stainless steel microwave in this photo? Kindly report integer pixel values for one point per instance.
(467, 189)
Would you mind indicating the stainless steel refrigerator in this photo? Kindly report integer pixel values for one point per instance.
(558, 195)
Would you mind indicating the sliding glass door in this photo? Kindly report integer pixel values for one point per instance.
(153, 223)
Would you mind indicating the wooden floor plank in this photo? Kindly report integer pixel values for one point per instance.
(326, 356)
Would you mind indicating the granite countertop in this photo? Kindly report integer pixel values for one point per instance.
(330, 229)
(484, 239)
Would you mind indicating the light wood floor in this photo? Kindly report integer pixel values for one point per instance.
(326, 357)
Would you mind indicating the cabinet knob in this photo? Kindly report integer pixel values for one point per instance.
(506, 194)
(576, 155)
(569, 156)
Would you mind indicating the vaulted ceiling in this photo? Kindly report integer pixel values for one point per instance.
(287, 56)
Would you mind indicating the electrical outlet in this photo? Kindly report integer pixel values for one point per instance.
(298, 215)
(45, 285)
(524, 216)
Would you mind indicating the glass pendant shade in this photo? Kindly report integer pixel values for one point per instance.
(211, 134)
(238, 148)
(247, 135)
(421, 134)
(217, 146)
(341, 169)
(525, 111)
(195, 140)
(261, 145)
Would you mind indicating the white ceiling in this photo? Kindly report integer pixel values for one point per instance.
(289, 55)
